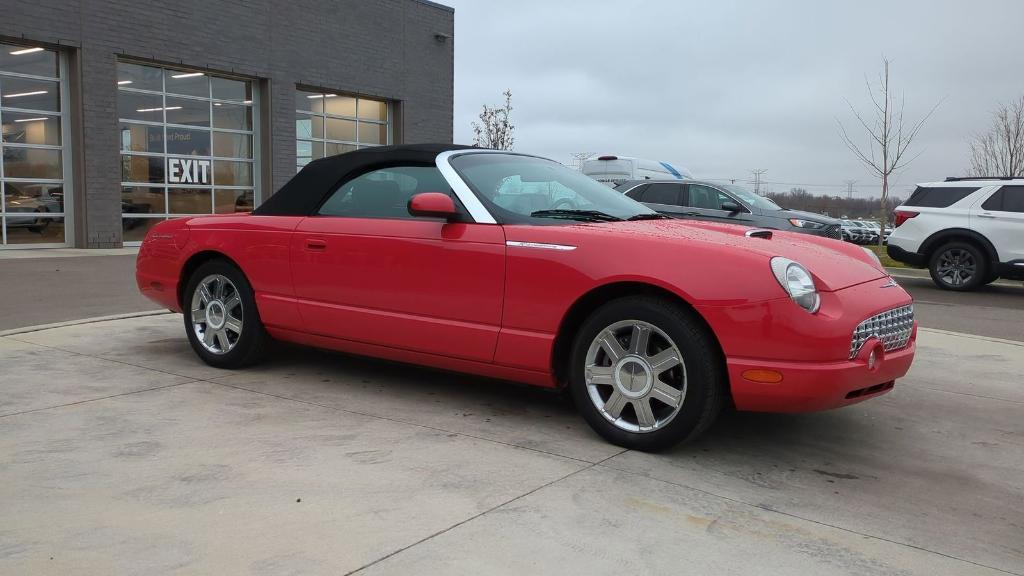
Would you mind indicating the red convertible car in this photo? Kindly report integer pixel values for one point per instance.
(515, 267)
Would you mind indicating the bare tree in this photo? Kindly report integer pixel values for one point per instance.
(495, 129)
(1000, 151)
(889, 137)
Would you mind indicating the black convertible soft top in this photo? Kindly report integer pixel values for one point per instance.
(304, 193)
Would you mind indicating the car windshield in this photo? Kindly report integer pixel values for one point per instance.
(749, 198)
(527, 189)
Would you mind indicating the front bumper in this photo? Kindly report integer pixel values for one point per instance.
(813, 386)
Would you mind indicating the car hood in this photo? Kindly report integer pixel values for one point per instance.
(834, 264)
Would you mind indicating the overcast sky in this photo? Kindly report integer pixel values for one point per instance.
(725, 87)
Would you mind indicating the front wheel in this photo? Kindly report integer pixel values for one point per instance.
(646, 374)
(221, 319)
(958, 266)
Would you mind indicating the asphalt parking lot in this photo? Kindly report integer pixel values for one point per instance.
(121, 453)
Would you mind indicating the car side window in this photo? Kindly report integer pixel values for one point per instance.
(1007, 199)
(706, 197)
(384, 193)
(667, 194)
(636, 193)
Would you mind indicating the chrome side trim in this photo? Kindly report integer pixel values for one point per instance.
(539, 245)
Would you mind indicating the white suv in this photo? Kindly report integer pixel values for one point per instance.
(967, 231)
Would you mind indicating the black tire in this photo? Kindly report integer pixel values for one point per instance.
(706, 381)
(974, 263)
(250, 345)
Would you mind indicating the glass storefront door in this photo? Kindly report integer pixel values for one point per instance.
(33, 156)
(187, 145)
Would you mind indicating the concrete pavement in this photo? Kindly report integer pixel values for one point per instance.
(121, 453)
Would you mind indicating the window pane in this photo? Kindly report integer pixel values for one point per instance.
(662, 194)
(227, 173)
(230, 145)
(188, 112)
(304, 152)
(142, 138)
(1013, 198)
(36, 63)
(340, 105)
(341, 129)
(373, 133)
(224, 89)
(373, 109)
(333, 148)
(148, 107)
(142, 200)
(185, 142)
(29, 128)
(383, 193)
(30, 94)
(34, 230)
(703, 197)
(187, 83)
(142, 169)
(134, 229)
(32, 163)
(232, 116)
(307, 126)
(139, 77)
(231, 201)
(188, 200)
(309, 101)
(38, 197)
(939, 197)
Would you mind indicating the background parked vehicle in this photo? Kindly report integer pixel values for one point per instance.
(697, 200)
(613, 170)
(34, 201)
(967, 231)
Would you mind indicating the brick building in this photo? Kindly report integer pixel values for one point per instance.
(119, 113)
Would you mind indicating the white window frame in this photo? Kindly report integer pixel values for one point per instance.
(255, 161)
(67, 181)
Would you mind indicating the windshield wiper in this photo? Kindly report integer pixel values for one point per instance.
(585, 215)
(654, 216)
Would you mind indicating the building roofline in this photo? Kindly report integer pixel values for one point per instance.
(436, 5)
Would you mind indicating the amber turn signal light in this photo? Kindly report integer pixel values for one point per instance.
(763, 376)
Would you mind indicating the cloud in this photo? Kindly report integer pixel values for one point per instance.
(726, 87)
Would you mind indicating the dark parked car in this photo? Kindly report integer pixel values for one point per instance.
(696, 200)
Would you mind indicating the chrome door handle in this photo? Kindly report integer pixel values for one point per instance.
(986, 215)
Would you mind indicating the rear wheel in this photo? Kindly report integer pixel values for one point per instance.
(646, 374)
(958, 266)
(221, 319)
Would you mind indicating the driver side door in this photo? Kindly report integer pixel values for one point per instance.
(705, 203)
(367, 271)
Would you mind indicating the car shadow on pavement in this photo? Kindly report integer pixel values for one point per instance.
(370, 385)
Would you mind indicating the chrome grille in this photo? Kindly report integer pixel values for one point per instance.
(892, 327)
(834, 231)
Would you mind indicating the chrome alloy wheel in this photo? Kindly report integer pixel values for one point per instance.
(956, 267)
(635, 376)
(217, 314)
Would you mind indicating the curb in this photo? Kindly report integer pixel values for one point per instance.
(972, 336)
(94, 319)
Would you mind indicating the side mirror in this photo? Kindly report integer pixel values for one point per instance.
(731, 207)
(433, 205)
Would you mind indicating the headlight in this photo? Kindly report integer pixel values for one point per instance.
(797, 282)
(873, 255)
(806, 224)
